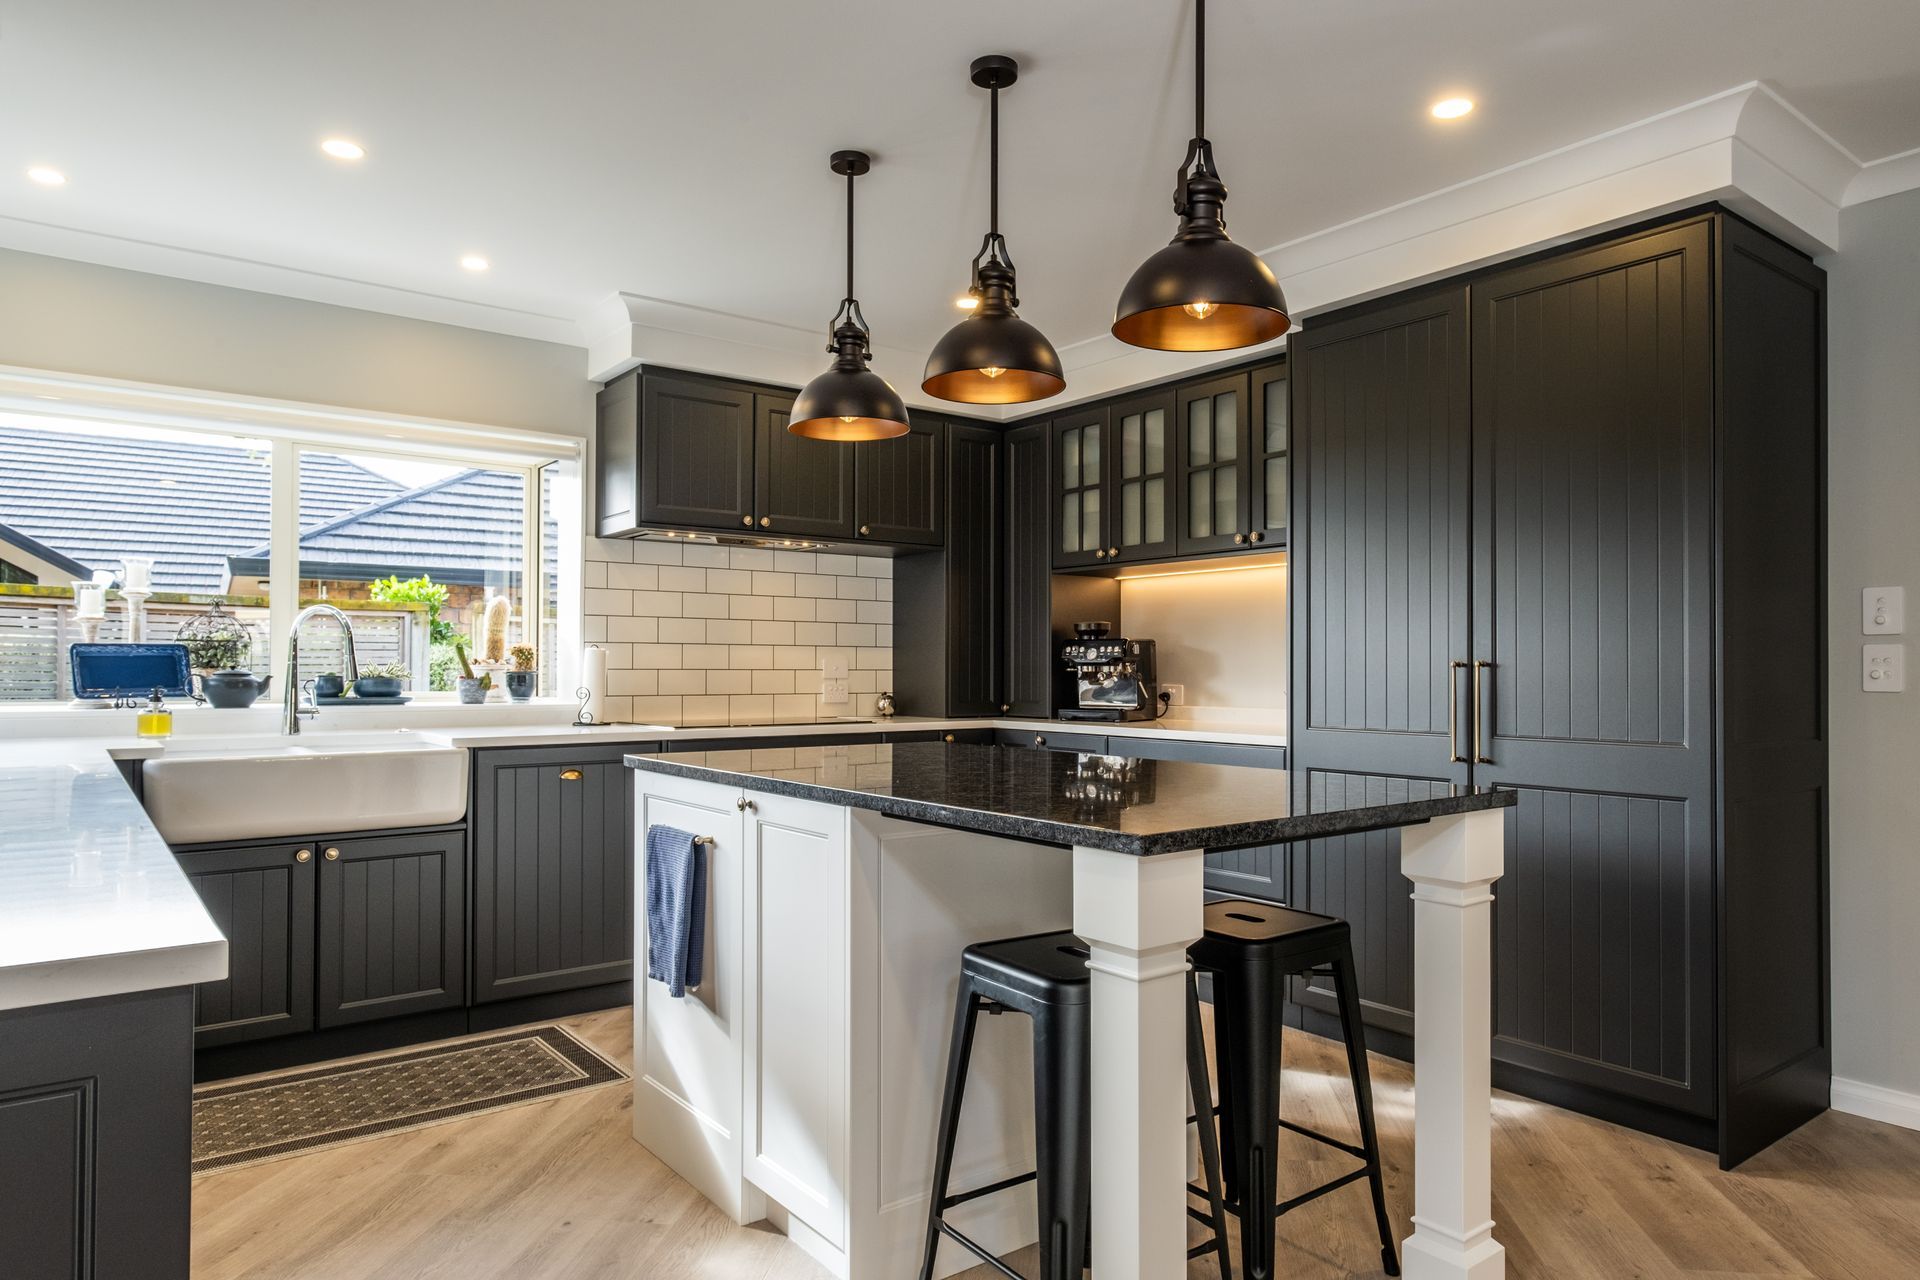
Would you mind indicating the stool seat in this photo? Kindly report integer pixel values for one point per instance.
(1266, 931)
(1047, 968)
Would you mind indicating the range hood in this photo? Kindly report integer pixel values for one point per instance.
(728, 540)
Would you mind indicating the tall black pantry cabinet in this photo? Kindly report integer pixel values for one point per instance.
(1560, 527)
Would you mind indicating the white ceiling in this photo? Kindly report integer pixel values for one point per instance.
(678, 151)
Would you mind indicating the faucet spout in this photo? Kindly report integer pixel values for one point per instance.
(290, 686)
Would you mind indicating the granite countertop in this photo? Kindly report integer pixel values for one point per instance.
(1055, 797)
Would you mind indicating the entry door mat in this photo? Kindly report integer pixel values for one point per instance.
(288, 1115)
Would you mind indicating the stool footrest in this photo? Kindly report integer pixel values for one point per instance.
(979, 1251)
(1288, 1206)
(948, 1202)
(1358, 1153)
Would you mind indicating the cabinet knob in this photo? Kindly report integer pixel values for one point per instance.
(949, 738)
(569, 775)
(765, 522)
(1005, 707)
(1039, 741)
(1100, 553)
(743, 804)
(865, 530)
(1113, 553)
(747, 521)
(333, 855)
(1239, 539)
(304, 855)
(1256, 536)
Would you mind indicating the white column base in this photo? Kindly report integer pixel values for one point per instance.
(1430, 1254)
(1137, 917)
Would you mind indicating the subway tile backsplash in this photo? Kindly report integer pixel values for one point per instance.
(694, 631)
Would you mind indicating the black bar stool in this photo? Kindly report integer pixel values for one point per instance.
(1044, 976)
(1251, 948)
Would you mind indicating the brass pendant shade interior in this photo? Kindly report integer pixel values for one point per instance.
(993, 356)
(1202, 292)
(849, 402)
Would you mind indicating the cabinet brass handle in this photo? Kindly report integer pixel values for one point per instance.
(569, 775)
(865, 530)
(765, 521)
(1100, 553)
(949, 738)
(305, 855)
(1239, 539)
(1453, 712)
(1480, 755)
(1113, 552)
(743, 804)
(333, 855)
(1039, 741)
(1256, 536)
(1005, 707)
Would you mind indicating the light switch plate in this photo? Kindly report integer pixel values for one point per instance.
(1883, 668)
(1883, 611)
(833, 667)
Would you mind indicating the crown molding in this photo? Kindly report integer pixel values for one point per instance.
(1886, 177)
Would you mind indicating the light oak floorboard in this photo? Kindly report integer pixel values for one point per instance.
(558, 1190)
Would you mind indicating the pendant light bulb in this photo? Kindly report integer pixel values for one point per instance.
(849, 402)
(993, 356)
(1202, 292)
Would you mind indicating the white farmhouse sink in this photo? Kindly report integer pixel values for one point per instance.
(262, 788)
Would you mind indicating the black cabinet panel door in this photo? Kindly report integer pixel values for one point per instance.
(1078, 510)
(1027, 541)
(803, 487)
(1270, 422)
(696, 453)
(552, 886)
(898, 484)
(1140, 478)
(1380, 556)
(1213, 467)
(392, 926)
(974, 602)
(616, 466)
(261, 898)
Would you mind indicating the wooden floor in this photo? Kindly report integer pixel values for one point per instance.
(557, 1190)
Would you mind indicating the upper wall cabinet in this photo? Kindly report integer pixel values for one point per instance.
(685, 451)
(1080, 488)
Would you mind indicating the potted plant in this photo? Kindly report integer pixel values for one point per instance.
(473, 688)
(381, 680)
(329, 684)
(523, 677)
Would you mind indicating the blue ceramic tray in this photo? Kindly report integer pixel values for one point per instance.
(129, 670)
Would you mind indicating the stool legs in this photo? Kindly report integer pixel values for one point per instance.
(966, 1010)
(1246, 1000)
(1356, 1037)
(1063, 1142)
(1203, 1119)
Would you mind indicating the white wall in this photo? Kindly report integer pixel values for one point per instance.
(1222, 635)
(74, 317)
(1874, 527)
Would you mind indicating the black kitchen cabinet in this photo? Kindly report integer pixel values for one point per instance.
(696, 453)
(1560, 528)
(1257, 872)
(1246, 754)
(392, 926)
(803, 487)
(971, 737)
(552, 873)
(261, 897)
(1047, 738)
(1269, 430)
(948, 604)
(1078, 508)
(1026, 640)
(1140, 480)
(898, 483)
(1216, 471)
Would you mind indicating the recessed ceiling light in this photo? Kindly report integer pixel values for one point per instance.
(47, 177)
(1452, 108)
(343, 149)
(474, 262)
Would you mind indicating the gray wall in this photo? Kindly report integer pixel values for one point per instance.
(74, 317)
(1874, 460)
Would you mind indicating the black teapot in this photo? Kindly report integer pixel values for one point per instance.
(233, 689)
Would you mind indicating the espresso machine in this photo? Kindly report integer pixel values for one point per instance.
(1113, 677)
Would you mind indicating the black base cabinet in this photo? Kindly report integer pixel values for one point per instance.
(1559, 526)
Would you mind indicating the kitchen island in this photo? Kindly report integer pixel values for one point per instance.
(800, 1083)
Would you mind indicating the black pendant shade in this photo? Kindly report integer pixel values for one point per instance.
(849, 401)
(1202, 292)
(993, 356)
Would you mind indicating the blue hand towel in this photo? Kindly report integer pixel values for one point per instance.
(676, 909)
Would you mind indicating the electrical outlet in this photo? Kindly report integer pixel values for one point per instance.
(1883, 611)
(1883, 668)
(833, 690)
(1176, 694)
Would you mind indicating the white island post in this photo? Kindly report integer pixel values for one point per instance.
(802, 1086)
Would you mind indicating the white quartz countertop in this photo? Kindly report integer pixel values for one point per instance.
(1247, 733)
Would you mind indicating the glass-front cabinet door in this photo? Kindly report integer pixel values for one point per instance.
(1080, 517)
(1270, 472)
(1141, 484)
(1213, 448)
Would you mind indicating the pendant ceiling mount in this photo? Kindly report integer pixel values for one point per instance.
(849, 401)
(1202, 292)
(993, 356)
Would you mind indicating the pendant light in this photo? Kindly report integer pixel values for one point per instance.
(993, 356)
(849, 401)
(1202, 292)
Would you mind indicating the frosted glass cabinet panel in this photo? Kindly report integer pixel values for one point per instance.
(1081, 462)
(1271, 411)
(1142, 483)
(1213, 421)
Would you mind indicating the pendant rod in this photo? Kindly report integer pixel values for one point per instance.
(849, 235)
(993, 150)
(1199, 68)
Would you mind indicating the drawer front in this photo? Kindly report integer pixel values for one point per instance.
(1051, 739)
(1251, 756)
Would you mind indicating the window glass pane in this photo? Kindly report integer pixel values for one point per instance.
(1090, 519)
(1276, 424)
(1156, 515)
(1200, 504)
(1200, 431)
(1130, 515)
(1090, 453)
(1156, 442)
(1276, 493)
(1070, 523)
(1130, 445)
(1226, 502)
(421, 556)
(1070, 459)
(1226, 426)
(557, 501)
(85, 503)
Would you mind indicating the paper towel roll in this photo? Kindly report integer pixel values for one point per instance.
(593, 679)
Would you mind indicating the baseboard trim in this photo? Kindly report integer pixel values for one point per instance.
(1876, 1102)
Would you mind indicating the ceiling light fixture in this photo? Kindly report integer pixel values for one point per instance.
(849, 401)
(966, 302)
(1202, 292)
(993, 356)
(1451, 108)
(343, 149)
(47, 177)
(474, 262)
